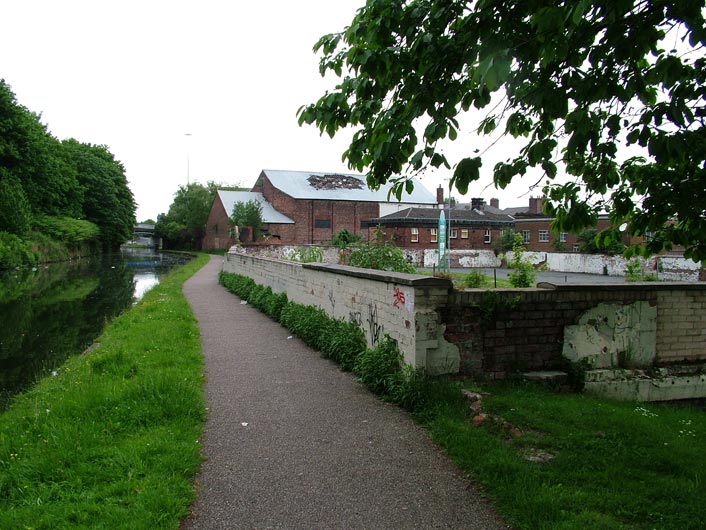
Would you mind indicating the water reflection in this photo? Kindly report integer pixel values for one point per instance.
(54, 311)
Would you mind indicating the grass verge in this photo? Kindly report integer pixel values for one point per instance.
(572, 461)
(548, 461)
(470, 280)
(111, 441)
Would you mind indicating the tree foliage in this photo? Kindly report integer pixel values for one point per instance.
(248, 214)
(184, 225)
(605, 97)
(107, 199)
(80, 187)
(608, 241)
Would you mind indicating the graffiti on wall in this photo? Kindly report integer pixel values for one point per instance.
(374, 328)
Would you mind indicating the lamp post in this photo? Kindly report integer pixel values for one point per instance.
(188, 136)
(448, 232)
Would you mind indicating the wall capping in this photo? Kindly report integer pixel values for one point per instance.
(413, 280)
(628, 286)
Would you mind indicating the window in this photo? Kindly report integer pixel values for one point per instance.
(454, 233)
(562, 237)
(577, 247)
(544, 236)
(415, 235)
(464, 233)
(322, 223)
(525, 236)
(434, 235)
(649, 235)
(488, 235)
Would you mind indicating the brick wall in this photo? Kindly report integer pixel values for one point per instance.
(523, 329)
(217, 227)
(482, 333)
(400, 305)
(681, 325)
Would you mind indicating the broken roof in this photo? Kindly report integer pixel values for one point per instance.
(340, 187)
(269, 214)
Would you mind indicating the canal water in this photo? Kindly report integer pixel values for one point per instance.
(57, 310)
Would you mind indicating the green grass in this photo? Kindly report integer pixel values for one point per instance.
(459, 280)
(615, 465)
(111, 441)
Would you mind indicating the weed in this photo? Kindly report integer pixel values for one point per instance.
(474, 279)
(523, 273)
(307, 255)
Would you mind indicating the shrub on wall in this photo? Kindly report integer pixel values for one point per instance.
(381, 369)
(380, 256)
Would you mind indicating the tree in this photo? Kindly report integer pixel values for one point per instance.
(107, 199)
(248, 214)
(523, 273)
(610, 92)
(184, 226)
(32, 157)
(608, 241)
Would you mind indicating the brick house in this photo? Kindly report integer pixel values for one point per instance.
(469, 227)
(219, 230)
(303, 207)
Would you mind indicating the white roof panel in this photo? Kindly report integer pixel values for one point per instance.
(340, 187)
(269, 214)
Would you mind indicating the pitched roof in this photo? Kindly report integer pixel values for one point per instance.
(463, 216)
(269, 214)
(340, 187)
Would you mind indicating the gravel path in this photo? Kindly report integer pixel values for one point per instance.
(292, 442)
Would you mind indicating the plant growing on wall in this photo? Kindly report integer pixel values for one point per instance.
(344, 239)
(523, 274)
(307, 255)
(381, 255)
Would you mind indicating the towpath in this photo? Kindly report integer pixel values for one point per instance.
(292, 442)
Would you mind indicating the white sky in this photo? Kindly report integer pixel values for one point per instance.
(137, 75)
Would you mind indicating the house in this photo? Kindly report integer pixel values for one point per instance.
(305, 207)
(219, 229)
(469, 228)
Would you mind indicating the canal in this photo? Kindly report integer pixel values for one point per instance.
(57, 310)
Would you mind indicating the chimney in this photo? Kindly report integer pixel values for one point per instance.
(477, 203)
(440, 195)
(495, 203)
(535, 205)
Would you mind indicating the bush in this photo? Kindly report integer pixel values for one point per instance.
(15, 252)
(344, 239)
(473, 280)
(380, 256)
(66, 229)
(380, 369)
(523, 274)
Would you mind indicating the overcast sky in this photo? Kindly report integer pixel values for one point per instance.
(138, 75)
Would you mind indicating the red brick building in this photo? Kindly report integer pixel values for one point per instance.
(469, 228)
(301, 207)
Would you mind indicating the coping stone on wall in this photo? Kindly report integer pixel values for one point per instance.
(413, 280)
(631, 286)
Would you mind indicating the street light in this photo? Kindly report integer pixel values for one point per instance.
(448, 232)
(188, 135)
